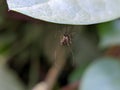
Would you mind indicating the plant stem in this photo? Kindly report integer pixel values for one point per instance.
(55, 70)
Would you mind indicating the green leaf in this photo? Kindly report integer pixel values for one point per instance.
(103, 74)
(8, 78)
(109, 34)
(77, 73)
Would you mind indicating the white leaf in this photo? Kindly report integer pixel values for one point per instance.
(68, 11)
(103, 74)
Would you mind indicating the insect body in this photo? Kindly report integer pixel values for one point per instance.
(66, 39)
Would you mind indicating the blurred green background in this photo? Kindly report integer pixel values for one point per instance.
(27, 49)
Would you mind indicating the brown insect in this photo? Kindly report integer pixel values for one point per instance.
(66, 39)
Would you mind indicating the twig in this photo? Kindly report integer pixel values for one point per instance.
(55, 70)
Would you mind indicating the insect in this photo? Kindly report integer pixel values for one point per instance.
(66, 39)
(66, 36)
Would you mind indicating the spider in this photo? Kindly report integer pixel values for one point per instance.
(66, 39)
